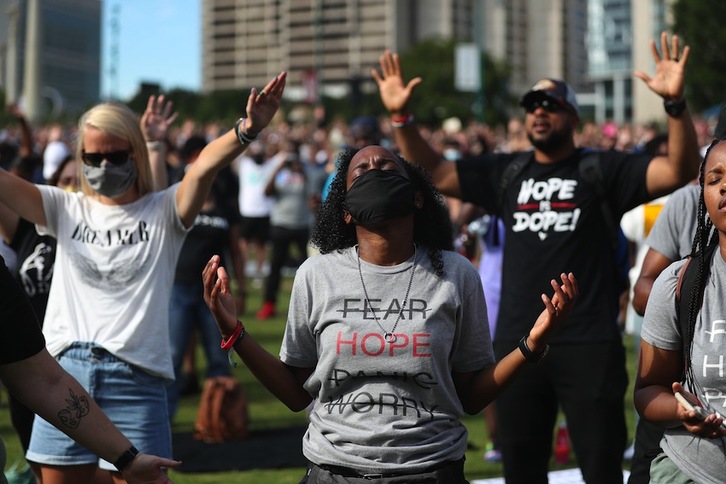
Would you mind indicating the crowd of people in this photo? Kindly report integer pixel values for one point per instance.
(130, 210)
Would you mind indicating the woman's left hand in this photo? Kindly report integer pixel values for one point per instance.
(148, 469)
(262, 105)
(157, 118)
(557, 310)
(218, 297)
(710, 428)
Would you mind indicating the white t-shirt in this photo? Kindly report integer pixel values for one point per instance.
(53, 156)
(383, 406)
(113, 274)
(252, 181)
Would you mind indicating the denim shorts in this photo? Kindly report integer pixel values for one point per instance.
(134, 400)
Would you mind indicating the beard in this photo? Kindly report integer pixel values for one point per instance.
(551, 142)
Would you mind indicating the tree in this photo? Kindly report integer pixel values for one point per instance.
(436, 98)
(699, 24)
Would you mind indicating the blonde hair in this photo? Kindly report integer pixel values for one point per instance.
(117, 120)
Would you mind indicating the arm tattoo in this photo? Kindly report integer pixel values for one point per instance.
(77, 408)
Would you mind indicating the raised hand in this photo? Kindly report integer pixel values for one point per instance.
(394, 91)
(218, 296)
(262, 105)
(557, 310)
(15, 111)
(157, 118)
(670, 65)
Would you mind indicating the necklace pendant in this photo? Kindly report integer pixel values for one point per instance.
(390, 337)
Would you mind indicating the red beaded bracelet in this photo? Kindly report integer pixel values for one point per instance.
(238, 334)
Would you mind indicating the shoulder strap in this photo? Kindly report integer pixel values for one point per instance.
(686, 285)
(591, 172)
(511, 171)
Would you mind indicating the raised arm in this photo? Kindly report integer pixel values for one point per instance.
(478, 389)
(41, 384)
(26, 134)
(285, 382)
(395, 95)
(155, 123)
(22, 197)
(666, 173)
(195, 186)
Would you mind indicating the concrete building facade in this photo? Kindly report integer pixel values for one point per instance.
(50, 55)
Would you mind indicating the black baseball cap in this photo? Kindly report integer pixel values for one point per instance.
(554, 89)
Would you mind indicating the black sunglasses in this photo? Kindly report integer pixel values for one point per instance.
(114, 157)
(547, 104)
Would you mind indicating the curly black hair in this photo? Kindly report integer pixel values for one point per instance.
(432, 225)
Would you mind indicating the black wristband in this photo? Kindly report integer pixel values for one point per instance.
(529, 355)
(674, 108)
(126, 458)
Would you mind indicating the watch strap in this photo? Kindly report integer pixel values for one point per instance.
(674, 107)
(126, 458)
(530, 355)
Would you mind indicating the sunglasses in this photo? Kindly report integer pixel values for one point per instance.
(115, 158)
(546, 104)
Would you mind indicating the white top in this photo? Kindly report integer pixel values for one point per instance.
(113, 274)
(52, 157)
(252, 181)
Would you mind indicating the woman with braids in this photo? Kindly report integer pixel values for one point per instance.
(387, 331)
(686, 357)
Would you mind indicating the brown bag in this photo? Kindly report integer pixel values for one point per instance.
(222, 414)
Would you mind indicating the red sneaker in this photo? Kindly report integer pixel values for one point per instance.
(266, 311)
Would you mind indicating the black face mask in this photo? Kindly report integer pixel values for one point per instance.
(377, 196)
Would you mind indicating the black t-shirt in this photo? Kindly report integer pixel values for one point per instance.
(36, 256)
(210, 235)
(21, 336)
(555, 224)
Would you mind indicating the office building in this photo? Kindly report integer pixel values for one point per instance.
(50, 55)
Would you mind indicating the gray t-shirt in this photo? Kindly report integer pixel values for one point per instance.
(673, 231)
(380, 407)
(704, 460)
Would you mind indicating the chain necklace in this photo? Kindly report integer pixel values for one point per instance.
(389, 336)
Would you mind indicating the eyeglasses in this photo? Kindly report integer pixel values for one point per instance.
(114, 157)
(546, 104)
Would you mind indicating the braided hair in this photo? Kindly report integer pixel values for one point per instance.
(704, 238)
(432, 225)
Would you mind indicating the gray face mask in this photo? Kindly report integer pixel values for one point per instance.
(110, 180)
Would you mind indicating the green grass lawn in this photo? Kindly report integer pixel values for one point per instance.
(265, 411)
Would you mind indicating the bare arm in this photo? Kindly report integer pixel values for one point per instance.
(41, 384)
(395, 94)
(155, 123)
(197, 182)
(22, 197)
(659, 373)
(478, 389)
(666, 173)
(653, 264)
(285, 382)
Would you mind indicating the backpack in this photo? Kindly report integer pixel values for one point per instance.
(222, 414)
